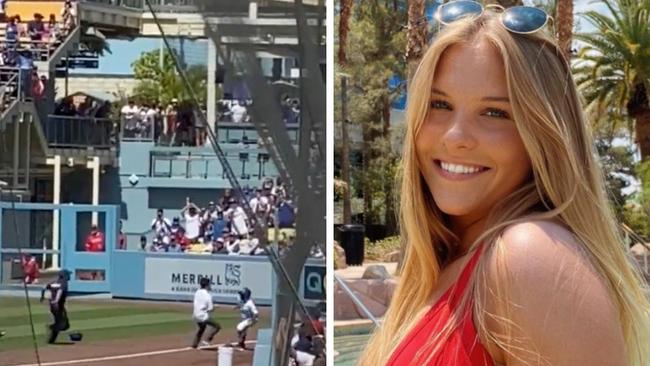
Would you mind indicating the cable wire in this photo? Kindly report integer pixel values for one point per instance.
(15, 224)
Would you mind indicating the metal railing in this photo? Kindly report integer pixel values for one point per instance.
(356, 300)
(246, 164)
(80, 132)
(227, 133)
(133, 4)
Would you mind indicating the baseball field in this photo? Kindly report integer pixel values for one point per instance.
(117, 332)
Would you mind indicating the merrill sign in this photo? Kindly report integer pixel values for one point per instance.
(182, 276)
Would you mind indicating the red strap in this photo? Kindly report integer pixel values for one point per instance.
(459, 287)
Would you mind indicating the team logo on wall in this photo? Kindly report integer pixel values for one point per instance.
(233, 274)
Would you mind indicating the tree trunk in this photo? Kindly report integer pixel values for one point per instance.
(344, 27)
(389, 182)
(417, 36)
(564, 24)
(345, 153)
(346, 9)
(642, 127)
(638, 107)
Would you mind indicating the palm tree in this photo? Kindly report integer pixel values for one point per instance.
(564, 25)
(417, 35)
(344, 28)
(613, 73)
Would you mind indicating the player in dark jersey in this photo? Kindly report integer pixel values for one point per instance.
(58, 293)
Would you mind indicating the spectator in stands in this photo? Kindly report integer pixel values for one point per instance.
(3, 8)
(52, 30)
(38, 86)
(36, 28)
(69, 14)
(237, 217)
(173, 247)
(26, 66)
(19, 26)
(177, 231)
(192, 220)
(121, 239)
(147, 117)
(239, 112)
(171, 114)
(129, 116)
(286, 215)
(160, 224)
(12, 34)
(94, 240)
(158, 126)
(279, 190)
(143, 244)
(219, 247)
(316, 251)
(31, 269)
(185, 125)
(219, 224)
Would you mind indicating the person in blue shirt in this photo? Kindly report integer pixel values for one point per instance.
(286, 215)
(25, 66)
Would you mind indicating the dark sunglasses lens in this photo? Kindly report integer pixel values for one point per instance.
(524, 19)
(453, 11)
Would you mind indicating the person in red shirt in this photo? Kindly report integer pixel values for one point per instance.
(95, 240)
(30, 269)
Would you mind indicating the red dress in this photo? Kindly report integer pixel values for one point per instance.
(462, 348)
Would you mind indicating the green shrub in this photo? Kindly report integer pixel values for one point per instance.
(377, 251)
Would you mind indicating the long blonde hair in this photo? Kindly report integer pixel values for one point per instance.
(566, 185)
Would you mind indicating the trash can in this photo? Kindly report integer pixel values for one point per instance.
(352, 243)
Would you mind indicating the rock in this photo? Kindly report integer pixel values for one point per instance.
(339, 257)
(393, 257)
(376, 272)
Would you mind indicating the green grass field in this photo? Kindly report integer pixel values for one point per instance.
(100, 320)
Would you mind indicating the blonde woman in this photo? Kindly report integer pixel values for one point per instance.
(513, 256)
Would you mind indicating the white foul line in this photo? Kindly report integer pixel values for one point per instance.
(122, 357)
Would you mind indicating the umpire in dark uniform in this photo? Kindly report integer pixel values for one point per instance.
(58, 294)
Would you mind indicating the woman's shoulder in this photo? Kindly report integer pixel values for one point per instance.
(555, 295)
(544, 253)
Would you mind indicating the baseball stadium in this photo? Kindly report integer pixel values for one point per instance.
(162, 182)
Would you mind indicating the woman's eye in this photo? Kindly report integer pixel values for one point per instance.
(497, 113)
(439, 104)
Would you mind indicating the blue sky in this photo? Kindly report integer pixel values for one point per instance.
(125, 52)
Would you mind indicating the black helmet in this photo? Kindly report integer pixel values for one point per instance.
(64, 274)
(204, 282)
(245, 294)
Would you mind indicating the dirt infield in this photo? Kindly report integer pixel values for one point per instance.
(93, 352)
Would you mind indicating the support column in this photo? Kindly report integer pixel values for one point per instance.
(56, 199)
(94, 165)
(212, 86)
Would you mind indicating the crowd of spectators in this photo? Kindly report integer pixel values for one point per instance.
(44, 37)
(25, 43)
(223, 227)
(173, 125)
(235, 111)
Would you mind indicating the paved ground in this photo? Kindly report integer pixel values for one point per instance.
(354, 273)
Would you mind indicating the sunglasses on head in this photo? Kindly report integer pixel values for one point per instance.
(517, 19)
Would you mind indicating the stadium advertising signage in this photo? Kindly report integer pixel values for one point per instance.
(175, 276)
(314, 282)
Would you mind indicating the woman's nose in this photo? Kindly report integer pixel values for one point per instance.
(459, 133)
